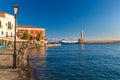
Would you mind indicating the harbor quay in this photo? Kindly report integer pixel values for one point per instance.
(23, 71)
(82, 40)
(99, 41)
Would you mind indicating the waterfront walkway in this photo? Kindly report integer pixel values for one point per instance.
(6, 71)
(23, 71)
(10, 74)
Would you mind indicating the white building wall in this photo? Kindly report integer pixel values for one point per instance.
(4, 23)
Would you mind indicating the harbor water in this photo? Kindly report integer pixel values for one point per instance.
(76, 62)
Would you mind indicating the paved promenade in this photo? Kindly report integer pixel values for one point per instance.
(10, 74)
(6, 71)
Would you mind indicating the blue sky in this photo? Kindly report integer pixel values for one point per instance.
(99, 19)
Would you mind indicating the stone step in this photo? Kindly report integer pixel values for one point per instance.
(10, 74)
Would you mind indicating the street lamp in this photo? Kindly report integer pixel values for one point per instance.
(15, 7)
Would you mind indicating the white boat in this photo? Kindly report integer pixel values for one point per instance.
(69, 41)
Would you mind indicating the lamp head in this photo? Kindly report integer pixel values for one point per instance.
(15, 7)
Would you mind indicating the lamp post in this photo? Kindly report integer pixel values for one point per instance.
(15, 7)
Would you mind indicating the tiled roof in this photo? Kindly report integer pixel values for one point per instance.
(26, 26)
(2, 14)
(33, 27)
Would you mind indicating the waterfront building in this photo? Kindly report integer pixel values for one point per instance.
(7, 25)
(82, 38)
(32, 30)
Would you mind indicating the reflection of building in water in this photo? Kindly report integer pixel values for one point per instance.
(37, 56)
(41, 51)
(82, 46)
(82, 54)
(38, 52)
(33, 52)
(82, 57)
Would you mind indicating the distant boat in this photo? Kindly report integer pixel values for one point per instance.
(69, 41)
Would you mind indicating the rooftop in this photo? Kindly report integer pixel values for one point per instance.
(2, 14)
(26, 26)
(20, 26)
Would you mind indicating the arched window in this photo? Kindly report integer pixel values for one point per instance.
(6, 34)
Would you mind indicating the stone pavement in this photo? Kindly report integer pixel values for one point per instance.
(6, 71)
(6, 60)
(10, 74)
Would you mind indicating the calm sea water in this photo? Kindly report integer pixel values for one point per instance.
(76, 62)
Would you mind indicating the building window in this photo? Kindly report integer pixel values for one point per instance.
(11, 34)
(2, 32)
(9, 25)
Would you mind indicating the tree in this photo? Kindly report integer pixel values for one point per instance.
(26, 36)
(38, 37)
